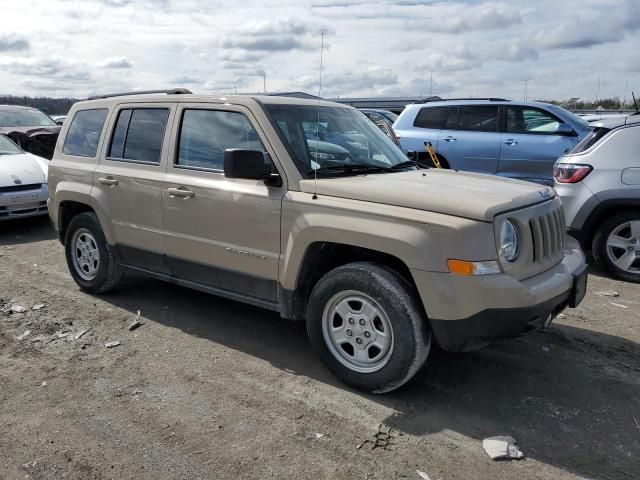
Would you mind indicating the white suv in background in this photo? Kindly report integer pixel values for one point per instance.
(599, 182)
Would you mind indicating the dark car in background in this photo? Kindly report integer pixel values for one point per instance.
(30, 129)
(377, 114)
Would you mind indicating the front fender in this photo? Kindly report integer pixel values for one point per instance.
(421, 240)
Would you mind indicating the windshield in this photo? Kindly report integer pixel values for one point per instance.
(25, 118)
(7, 147)
(335, 139)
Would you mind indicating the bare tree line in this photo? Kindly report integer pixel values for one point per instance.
(51, 106)
(60, 106)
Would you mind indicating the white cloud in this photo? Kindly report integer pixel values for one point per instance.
(115, 62)
(479, 47)
(463, 18)
(588, 27)
(275, 35)
(13, 43)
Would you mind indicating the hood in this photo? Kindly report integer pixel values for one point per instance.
(24, 168)
(40, 141)
(463, 194)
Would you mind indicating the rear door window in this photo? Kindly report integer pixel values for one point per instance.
(84, 133)
(138, 135)
(206, 134)
(475, 118)
(431, 117)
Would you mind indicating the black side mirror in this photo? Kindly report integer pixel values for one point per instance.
(566, 130)
(249, 164)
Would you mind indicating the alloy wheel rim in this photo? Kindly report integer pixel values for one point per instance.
(85, 256)
(623, 246)
(357, 331)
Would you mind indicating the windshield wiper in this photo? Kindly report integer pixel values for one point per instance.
(350, 168)
(405, 164)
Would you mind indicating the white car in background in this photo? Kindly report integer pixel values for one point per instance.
(23, 182)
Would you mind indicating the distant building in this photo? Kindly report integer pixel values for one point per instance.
(394, 104)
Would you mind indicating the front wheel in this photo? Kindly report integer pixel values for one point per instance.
(366, 325)
(616, 245)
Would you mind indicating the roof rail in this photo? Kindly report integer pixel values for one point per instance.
(171, 91)
(431, 99)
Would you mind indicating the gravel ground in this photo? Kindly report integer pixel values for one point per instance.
(212, 389)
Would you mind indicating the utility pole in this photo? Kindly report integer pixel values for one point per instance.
(624, 99)
(524, 97)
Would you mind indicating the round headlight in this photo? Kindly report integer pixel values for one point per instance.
(508, 241)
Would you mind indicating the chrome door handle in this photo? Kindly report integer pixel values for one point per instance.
(181, 192)
(510, 141)
(108, 181)
(449, 139)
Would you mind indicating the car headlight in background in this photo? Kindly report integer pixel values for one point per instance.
(508, 241)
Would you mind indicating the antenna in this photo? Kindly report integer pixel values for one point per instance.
(634, 101)
(315, 170)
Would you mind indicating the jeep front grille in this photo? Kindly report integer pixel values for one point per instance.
(547, 235)
(541, 229)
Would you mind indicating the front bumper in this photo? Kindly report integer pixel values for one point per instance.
(467, 313)
(26, 203)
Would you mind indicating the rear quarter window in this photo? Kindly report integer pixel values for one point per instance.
(431, 117)
(590, 140)
(84, 133)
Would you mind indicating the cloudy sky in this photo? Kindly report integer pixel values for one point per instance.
(564, 48)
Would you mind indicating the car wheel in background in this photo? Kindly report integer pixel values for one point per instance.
(366, 325)
(89, 258)
(616, 245)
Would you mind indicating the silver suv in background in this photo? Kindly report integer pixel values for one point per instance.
(599, 182)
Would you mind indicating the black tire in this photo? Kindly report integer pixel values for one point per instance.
(108, 274)
(599, 245)
(411, 333)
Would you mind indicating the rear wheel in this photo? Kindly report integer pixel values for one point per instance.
(616, 245)
(90, 259)
(366, 325)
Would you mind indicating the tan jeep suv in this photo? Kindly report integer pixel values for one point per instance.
(305, 207)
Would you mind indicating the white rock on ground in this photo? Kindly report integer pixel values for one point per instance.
(501, 448)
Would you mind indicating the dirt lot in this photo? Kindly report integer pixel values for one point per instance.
(209, 388)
